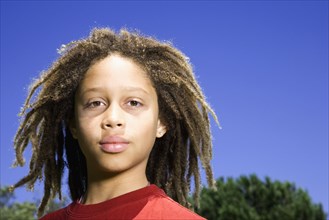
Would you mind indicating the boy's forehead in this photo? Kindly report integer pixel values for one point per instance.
(116, 71)
(115, 62)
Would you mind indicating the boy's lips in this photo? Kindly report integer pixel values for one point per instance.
(113, 144)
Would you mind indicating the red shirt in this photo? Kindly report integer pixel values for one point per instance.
(150, 202)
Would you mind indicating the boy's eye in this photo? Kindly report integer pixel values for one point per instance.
(134, 103)
(94, 104)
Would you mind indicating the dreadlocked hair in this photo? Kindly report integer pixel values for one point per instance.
(174, 159)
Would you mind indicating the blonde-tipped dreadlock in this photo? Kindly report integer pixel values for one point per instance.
(175, 157)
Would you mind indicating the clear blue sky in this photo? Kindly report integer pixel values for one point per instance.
(263, 66)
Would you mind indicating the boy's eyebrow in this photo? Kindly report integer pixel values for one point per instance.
(137, 89)
(128, 89)
(92, 89)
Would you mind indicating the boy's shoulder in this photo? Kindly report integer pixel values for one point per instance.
(161, 206)
(148, 203)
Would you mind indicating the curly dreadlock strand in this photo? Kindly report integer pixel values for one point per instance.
(179, 165)
(47, 191)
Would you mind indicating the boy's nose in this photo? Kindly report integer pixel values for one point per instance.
(113, 117)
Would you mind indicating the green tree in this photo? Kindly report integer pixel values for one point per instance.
(10, 210)
(249, 198)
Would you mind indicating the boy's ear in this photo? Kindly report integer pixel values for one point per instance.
(73, 129)
(161, 129)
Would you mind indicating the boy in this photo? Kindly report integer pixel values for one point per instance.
(132, 121)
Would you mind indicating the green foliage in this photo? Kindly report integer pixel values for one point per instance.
(12, 210)
(18, 211)
(247, 198)
(23, 211)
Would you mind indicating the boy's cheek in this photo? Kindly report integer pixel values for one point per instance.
(79, 125)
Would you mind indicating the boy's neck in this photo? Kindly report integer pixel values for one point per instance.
(100, 190)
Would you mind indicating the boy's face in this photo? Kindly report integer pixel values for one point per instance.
(116, 117)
